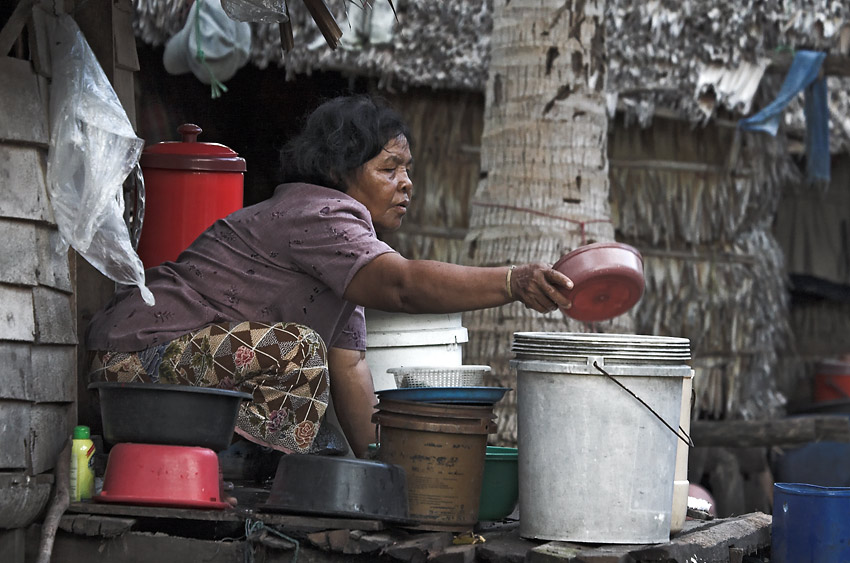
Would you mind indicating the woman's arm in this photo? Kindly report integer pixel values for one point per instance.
(353, 397)
(393, 283)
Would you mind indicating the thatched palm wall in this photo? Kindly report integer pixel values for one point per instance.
(700, 206)
(714, 272)
(446, 128)
(812, 227)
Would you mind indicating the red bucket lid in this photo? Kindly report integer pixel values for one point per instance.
(188, 154)
(608, 280)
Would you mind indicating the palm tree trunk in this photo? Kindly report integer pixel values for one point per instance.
(544, 166)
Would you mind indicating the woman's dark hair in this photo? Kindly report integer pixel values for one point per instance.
(339, 137)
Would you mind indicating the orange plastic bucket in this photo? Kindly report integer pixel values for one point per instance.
(442, 450)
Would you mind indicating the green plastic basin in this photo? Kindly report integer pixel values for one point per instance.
(499, 486)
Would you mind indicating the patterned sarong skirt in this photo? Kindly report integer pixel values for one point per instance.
(283, 366)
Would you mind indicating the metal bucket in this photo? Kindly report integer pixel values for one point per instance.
(598, 438)
(442, 450)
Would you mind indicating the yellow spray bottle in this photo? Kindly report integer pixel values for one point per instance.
(82, 464)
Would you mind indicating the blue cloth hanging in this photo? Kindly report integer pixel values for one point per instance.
(802, 76)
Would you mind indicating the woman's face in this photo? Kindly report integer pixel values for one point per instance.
(383, 185)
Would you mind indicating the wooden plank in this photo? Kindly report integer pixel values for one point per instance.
(123, 84)
(126, 56)
(38, 43)
(53, 267)
(22, 180)
(334, 540)
(772, 432)
(15, 422)
(419, 546)
(24, 110)
(54, 316)
(52, 377)
(15, 374)
(96, 525)
(454, 554)
(17, 322)
(505, 546)
(51, 425)
(135, 547)
(19, 259)
(672, 166)
(711, 542)
(369, 543)
(708, 542)
(288, 521)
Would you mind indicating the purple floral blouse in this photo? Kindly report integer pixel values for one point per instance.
(286, 259)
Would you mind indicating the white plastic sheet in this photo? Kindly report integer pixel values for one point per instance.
(92, 150)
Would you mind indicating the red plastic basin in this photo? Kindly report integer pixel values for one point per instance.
(156, 475)
(607, 280)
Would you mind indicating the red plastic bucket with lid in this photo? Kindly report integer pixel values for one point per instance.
(188, 186)
(832, 381)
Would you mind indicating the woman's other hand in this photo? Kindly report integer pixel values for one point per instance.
(540, 287)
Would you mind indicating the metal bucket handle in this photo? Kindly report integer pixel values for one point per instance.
(686, 438)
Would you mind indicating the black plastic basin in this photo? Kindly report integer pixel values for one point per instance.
(339, 487)
(174, 415)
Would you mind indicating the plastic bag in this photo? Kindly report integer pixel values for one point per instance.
(92, 150)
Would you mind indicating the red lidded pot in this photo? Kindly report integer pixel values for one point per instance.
(188, 186)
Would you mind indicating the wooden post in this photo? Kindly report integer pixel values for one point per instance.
(107, 26)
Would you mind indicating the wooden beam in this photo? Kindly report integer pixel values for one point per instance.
(287, 521)
(833, 65)
(765, 433)
(325, 20)
(10, 32)
(96, 525)
(699, 541)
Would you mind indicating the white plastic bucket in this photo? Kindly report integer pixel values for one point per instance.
(596, 465)
(396, 340)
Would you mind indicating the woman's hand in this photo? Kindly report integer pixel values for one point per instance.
(541, 288)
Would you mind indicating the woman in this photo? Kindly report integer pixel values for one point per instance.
(252, 303)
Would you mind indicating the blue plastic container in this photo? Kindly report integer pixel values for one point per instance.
(818, 463)
(811, 524)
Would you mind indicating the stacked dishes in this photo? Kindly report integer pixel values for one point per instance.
(615, 348)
